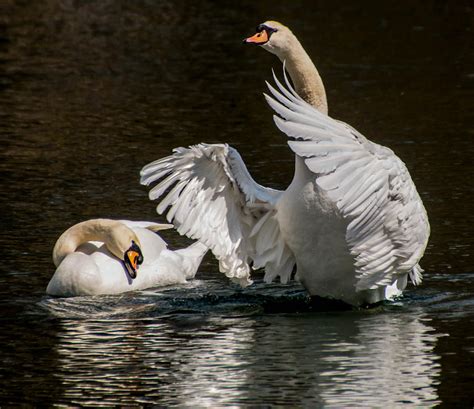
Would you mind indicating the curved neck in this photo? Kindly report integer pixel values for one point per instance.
(72, 238)
(305, 76)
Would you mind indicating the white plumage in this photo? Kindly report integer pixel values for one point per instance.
(89, 267)
(351, 220)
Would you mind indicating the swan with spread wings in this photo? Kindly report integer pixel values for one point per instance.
(351, 225)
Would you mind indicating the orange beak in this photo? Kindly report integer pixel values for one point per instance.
(132, 259)
(258, 38)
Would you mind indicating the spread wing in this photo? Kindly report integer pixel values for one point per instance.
(388, 227)
(210, 196)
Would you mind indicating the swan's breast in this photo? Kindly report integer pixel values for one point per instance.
(315, 232)
(305, 213)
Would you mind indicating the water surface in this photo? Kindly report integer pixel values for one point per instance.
(92, 91)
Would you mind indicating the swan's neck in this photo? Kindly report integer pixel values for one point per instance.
(305, 76)
(90, 230)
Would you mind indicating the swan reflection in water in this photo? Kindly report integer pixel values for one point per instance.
(187, 359)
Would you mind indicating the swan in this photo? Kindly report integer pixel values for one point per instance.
(350, 226)
(104, 256)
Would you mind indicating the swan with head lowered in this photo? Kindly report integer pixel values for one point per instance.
(103, 256)
(351, 223)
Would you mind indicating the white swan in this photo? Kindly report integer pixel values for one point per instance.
(103, 256)
(351, 220)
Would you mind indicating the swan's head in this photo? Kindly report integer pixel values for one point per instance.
(124, 244)
(273, 37)
(132, 258)
(119, 239)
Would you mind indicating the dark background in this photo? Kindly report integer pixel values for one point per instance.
(90, 91)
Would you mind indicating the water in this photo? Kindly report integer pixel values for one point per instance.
(92, 91)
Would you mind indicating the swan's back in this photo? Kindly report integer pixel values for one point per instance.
(77, 274)
(151, 245)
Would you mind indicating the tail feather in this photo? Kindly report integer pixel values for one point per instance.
(146, 225)
(192, 257)
(416, 275)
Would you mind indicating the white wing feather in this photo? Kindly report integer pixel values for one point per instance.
(212, 197)
(387, 224)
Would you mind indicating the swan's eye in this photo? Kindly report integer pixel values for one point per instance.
(138, 253)
(269, 30)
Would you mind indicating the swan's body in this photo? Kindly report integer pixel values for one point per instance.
(89, 261)
(351, 220)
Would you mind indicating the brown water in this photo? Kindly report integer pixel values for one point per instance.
(90, 91)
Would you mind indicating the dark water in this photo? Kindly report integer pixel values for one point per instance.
(90, 91)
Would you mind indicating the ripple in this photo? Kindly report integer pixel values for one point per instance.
(91, 91)
(204, 343)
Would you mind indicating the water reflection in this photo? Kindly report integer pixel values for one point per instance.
(91, 91)
(349, 360)
(194, 364)
(391, 360)
(355, 359)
